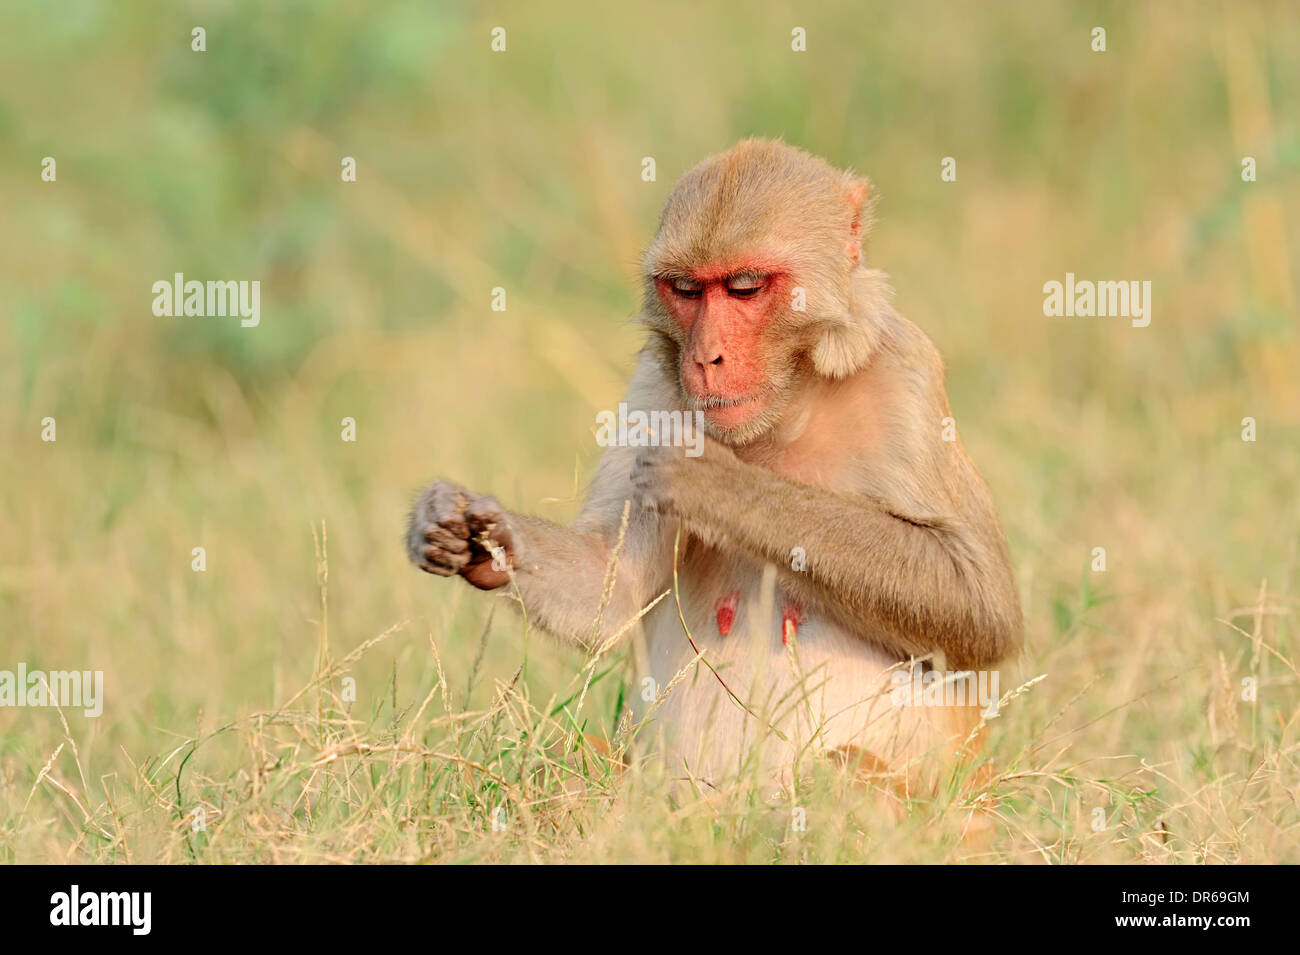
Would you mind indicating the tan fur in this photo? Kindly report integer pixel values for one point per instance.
(905, 557)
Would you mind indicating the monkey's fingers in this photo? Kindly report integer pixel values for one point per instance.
(443, 504)
(486, 519)
(454, 527)
(448, 540)
(649, 493)
(435, 559)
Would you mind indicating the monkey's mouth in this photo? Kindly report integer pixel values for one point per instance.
(717, 401)
(729, 412)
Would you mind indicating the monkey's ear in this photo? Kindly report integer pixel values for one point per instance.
(848, 340)
(842, 349)
(856, 193)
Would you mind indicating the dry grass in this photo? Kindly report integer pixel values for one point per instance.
(225, 689)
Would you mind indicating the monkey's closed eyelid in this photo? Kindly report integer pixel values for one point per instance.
(745, 291)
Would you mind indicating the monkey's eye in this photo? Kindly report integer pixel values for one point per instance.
(745, 285)
(688, 288)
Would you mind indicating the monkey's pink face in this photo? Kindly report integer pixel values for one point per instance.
(723, 314)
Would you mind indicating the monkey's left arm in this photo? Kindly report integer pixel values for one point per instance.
(925, 582)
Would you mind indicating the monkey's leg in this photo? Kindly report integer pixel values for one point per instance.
(922, 775)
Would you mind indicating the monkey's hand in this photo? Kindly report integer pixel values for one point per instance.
(668, 481)
(454, 531)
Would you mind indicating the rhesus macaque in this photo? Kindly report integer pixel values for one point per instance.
(825, 458)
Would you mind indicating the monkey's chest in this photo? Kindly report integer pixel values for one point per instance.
(777, 676)
(748, 625)
(737, 619)
(727, 605)
(724, 596)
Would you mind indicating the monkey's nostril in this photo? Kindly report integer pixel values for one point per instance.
(716, 361)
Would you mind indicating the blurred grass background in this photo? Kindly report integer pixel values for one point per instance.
(522, 170)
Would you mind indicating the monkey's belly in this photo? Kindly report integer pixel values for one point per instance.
(820, 690)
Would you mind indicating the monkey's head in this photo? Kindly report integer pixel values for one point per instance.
(749, 283)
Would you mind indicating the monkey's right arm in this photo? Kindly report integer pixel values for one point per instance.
(561, 572)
